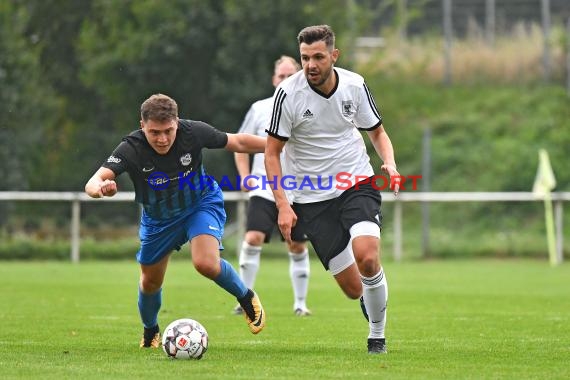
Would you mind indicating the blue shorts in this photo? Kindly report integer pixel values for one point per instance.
(160, 237)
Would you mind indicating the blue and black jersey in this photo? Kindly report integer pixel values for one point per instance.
(168, 184)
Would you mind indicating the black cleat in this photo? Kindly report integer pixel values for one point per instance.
(377, 346)
(363, 308)
(151, 337)
(253, 311)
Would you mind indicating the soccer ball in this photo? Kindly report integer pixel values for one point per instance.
(185, 339)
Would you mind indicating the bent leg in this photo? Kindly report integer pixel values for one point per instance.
(346, 274)
(207, 261)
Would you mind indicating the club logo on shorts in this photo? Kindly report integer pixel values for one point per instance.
(347, 108)
(186, 159)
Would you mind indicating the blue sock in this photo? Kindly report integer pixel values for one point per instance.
(230, 280)
(149, 305)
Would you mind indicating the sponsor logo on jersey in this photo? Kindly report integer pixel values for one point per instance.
(347, 108)
(186, 159)
(307, 114)
(113, 159)
(158, 180)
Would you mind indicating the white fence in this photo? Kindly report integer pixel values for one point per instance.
(76, 198)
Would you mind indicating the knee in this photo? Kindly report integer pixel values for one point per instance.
(297, 247)
(254, 238)
(149, 285)
(207, 269)
(369, 265)
(366, 253)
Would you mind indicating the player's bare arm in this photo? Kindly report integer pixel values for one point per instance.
(242, 165)
(101, 184)
(245, 143)
(287, 217)
(383, 146)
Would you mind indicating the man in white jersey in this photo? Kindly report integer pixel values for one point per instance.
(316, 113)
(262, 212)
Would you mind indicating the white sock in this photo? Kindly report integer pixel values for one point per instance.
(376, 300)
(299, 271)
(249, 263)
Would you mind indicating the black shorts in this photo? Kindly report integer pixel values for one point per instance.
(262, 216)
(327, 223)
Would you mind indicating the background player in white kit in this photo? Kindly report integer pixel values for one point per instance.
(316, 113)
(262, 212)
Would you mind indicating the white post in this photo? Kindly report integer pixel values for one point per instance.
(426, 183)
(558, 221)
(397, 230)
(75, 222)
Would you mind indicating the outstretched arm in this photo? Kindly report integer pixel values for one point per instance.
(245, 143)
(383, 146)
(101, 184)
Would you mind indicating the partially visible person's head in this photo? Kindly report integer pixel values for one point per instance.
(315, 33)
(159, 122)
(318, 56)
(285, 66)
(159, 107)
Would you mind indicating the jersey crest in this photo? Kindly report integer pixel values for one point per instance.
(186, 159)
(347, 108)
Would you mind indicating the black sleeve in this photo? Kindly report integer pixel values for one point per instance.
(209, 136)
(118, 160)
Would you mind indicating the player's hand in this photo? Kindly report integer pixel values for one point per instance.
(249, 184)
(286, 220)
(395, 177)
(108, 188)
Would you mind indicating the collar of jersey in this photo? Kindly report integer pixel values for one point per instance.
(322, 93)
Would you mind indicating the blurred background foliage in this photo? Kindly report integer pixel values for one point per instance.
(74, 73)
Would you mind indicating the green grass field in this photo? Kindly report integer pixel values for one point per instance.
(447, 319)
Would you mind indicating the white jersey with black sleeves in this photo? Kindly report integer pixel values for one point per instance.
(324, 148)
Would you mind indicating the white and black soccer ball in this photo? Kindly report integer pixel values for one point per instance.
(185, 339)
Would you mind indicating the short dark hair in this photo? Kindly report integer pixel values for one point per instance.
(317, 33)
(159, 107)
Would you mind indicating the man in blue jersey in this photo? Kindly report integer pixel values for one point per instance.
(317, 116)
(180, 203)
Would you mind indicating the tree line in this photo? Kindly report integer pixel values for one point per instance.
(74, 73)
